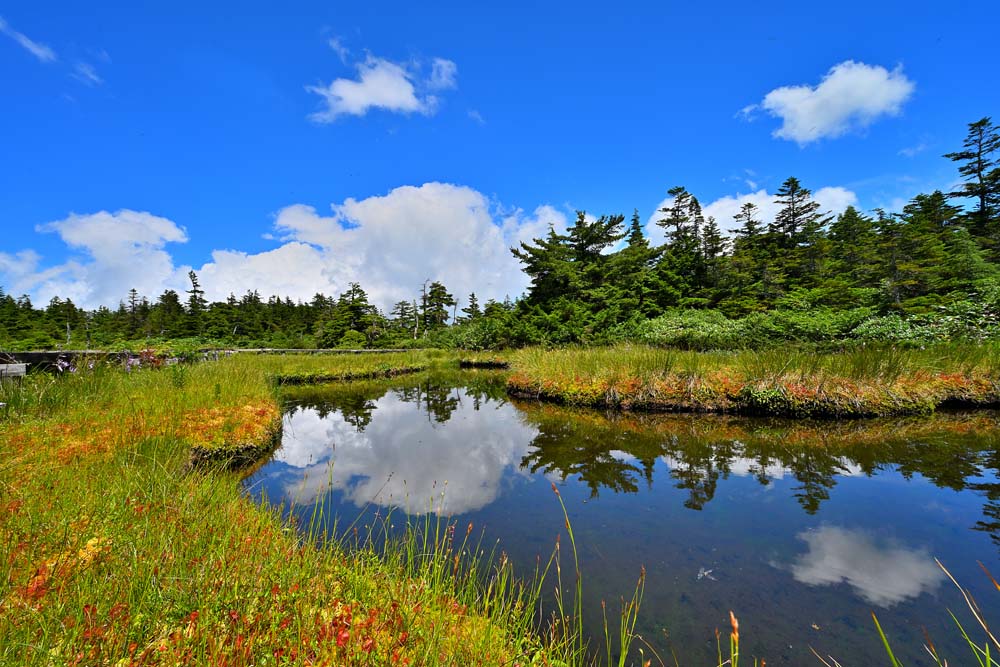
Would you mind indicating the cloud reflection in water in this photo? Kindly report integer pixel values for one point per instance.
(882, 574)
(403, 458)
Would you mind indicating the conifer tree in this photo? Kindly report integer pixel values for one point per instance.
(352, 312)
(404, 316)
(798, 227)
(980, 168)
(798, 210)
(682, 263)
(634, 272)
(133, 312)
(167, 315)
(548, 262)
(853, 248)
(196, 305)
(914, 245)
(438, 302)
(472, 311)
(749, 226)
(713, 247)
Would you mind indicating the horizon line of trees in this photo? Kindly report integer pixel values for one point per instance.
(603, 273)
(348, 320)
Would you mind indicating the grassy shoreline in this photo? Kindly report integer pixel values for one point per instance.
(301, 369)
(874, 382)
(115, 550)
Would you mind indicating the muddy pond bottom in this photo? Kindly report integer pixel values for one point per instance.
(802, 529)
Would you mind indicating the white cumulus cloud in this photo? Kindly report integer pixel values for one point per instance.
(40, 51)
(383, 84)
(851, 96)
(296, 270)
(117, 251)
(389, 243)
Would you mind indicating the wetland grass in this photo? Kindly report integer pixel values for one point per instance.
(309, 369)
(865, 382)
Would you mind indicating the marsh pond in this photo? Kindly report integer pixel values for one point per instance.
(803, 529)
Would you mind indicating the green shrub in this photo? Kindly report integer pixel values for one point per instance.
(352, 340)
(692, 330)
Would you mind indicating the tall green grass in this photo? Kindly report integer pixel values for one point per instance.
(863, 381)
(879, 363)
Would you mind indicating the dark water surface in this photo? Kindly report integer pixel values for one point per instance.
(802, 529)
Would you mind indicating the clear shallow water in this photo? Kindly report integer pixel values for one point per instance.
(802, 529)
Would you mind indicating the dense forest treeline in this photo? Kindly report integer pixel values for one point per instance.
(930, 272)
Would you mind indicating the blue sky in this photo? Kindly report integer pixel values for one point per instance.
(388, 142)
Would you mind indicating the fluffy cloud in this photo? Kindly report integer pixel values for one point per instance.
(294, 269)
(882, 574)
(117, 251)
(390, 244)
(851, 96)
(19, 264)
(40, 51)
(835, 199)
(832, 199)
(382, 84)
(393, 243)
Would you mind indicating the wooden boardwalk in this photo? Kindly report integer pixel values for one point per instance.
(46, 358)
(12, 371)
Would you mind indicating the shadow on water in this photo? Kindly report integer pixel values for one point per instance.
(800, 527)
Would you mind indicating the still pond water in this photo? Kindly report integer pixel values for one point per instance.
(802, 529)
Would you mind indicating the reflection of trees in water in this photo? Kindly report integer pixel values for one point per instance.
(615, 451)
(356, 409)
(816, 471)
(696, 471)
(596, 459)
(439, 401)
(438, 396)
(991, 492)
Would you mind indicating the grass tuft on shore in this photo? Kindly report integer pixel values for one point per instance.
(293, 369)
(865, 382)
